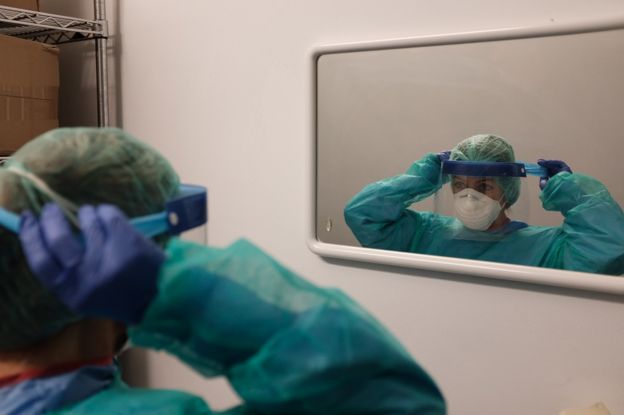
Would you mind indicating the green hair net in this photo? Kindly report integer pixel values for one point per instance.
(86, 166)
(489, 147)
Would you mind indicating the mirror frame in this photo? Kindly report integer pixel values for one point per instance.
(493, 270)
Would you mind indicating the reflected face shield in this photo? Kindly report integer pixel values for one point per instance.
(480, 191)
(487, 186)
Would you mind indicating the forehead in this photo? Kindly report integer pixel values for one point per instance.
(473, 179)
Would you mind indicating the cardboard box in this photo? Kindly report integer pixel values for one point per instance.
(21, 4)
(29, 85)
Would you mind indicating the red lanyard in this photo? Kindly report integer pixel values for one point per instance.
(53, 370)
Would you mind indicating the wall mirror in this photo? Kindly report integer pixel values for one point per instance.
(552, 93)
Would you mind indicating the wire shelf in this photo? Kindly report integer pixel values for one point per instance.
(48, 28)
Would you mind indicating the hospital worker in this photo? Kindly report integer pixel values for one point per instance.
(484, 187)
(77, 276)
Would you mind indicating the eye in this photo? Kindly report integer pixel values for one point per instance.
(459, 186)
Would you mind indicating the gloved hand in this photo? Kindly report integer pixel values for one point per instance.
(110, 272)
(444, 156)
(553, 167)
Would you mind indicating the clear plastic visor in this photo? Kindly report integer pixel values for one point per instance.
(487, 199)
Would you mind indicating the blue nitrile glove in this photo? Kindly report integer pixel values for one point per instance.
(110, 272)
(444, 156)
(553, 167)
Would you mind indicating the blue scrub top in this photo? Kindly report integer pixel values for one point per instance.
(48, 393)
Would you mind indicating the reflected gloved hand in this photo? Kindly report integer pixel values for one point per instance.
(553, 167)
(111, 272)
(444, 156)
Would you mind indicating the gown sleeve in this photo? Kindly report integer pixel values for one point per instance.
(286, 346)
(592, 234)
(379, 215)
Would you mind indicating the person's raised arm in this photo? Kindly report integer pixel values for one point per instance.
(592, 237)
(285, 345)
(379, 215)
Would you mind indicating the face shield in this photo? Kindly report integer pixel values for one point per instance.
(486, 197)
(185, 211)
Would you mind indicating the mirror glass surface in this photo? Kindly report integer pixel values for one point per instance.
(553, 97)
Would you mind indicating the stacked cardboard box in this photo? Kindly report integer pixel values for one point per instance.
(21, 4)
(29, 84)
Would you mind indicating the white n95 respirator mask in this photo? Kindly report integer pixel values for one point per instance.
(476, 210)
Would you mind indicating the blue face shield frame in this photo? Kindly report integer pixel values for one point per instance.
(188, 209)
(492, 169)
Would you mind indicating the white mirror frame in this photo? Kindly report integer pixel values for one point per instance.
(494, 270)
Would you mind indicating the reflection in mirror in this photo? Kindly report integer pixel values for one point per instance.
(411, 155)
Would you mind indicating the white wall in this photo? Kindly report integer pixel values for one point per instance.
(223, 89)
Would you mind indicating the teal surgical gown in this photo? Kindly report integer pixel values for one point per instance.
(285, 345)
(590, 239)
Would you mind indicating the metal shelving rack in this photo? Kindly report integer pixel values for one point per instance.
(56, 30)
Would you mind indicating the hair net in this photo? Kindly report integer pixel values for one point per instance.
(85, 166)
(489, 147)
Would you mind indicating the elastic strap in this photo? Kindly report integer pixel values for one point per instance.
(69, 207)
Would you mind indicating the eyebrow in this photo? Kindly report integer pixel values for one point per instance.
(480, 180)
